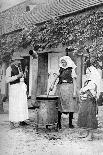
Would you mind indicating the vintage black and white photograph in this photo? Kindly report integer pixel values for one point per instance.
(51, 77)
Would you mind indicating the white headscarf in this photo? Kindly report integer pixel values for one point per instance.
(95, 78)
(69, 61)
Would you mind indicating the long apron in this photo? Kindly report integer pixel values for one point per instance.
(18, 107)
(87, 114)
(66, 102)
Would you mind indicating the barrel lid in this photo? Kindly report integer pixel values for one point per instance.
(46, 97)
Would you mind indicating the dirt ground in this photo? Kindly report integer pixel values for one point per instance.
(27, 141)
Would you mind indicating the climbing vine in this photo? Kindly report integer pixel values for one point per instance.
(83, 33)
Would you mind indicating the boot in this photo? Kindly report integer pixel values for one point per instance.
(83, 134)
(12, 126)
(59, 120)
(90, 136)
(23, 123)
(70, 120)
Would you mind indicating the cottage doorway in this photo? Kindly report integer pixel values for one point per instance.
(42, 74)
(48, 64)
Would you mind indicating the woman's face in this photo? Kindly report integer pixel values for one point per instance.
(64, 63)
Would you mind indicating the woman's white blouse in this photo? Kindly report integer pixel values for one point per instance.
(74, 75)
(90, 86)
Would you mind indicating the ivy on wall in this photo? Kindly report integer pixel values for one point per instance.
(82, 32)
(12, 42)
(8, 42)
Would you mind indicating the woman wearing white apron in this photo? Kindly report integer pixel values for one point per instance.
(18, 108)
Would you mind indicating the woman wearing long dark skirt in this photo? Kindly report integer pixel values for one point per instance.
(66, 89)
(88, 107)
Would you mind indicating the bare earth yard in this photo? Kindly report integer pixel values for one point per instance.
(27, 141)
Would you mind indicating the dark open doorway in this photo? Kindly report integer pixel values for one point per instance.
(25, 67)
(42, 74)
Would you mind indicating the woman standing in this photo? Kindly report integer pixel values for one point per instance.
(66, 89)
(18, 108)
(88, 96)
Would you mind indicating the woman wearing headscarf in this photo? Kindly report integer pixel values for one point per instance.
(88, 97)
(66, 89)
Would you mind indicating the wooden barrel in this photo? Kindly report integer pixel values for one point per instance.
(48, 112)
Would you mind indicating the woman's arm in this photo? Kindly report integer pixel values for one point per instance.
(8, 76)
(13, 78)
(89, 86)
(74, 76)
(53, 83)
(75, 87)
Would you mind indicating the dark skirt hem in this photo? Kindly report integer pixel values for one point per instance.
(87, 114)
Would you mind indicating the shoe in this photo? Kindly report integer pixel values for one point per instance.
(70, 120)
(90, 137)
(12, 126)
(23, 123)
(71, 126)
(83, 135)
(29, 97)
(59, 120)
(59, 126)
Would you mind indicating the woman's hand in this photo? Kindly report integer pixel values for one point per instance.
(74, 96)
(20, 75)
(81, 91)
(51, 87)
(83, 96)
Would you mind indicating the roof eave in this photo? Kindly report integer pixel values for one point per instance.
(75, 12)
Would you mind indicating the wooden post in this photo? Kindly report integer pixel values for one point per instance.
(1, 104)
(34, 81)
(3, 92)
(79, 71)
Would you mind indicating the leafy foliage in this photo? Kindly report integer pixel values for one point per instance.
(78, 32)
